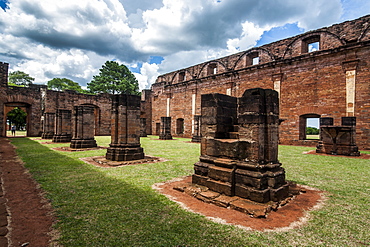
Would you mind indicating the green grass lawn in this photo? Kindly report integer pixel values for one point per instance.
(17, 133)
(118, 207)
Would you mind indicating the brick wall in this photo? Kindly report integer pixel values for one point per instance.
(308, 82)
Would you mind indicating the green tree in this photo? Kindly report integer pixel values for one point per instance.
(20, 78)
(17, 117)
(60, 84)
(114, 79)
(312, 131)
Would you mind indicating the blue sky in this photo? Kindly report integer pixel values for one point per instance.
(73, 39)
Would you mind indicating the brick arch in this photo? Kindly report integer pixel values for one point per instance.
(9, 106)
(205, 65)
(187, 72)
(20, 98)
(365, 35)
(162, 78)
(266, 54)
(299, 39)
(309, 110)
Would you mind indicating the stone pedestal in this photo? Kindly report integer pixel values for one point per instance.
(338, 140)
(143, 127)
(196, 135)
(239, 146)
(83, 131)
(165, 133)
(48, 125)
(63, 126)
(125, 144)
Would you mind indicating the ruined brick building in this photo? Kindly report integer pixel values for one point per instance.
(321, 73)
(331, 80)
(41, 105)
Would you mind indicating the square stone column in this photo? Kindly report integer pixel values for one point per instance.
(196, 135)
(48, 125)
(165, 133)
(143, 127)
(239, 146)
(125, 142)
(83, 131)
(63, 126)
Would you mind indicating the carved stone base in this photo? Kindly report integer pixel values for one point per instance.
(257, 182)
(47, 135)
(62, 138)
(165, 136)
(349, 150)
(83, 143)
(196, 138)
(117, 152)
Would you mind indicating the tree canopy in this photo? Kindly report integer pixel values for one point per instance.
(114, 79)
(60, 84)
(17, 117)
(20, 78)
(312, 131)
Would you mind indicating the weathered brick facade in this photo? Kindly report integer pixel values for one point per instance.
(330, 82)
(40, 103)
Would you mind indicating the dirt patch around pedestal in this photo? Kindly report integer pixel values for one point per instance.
(101, 161)
(30, 215)
(362, 155)
(68, 149)
(292, 215)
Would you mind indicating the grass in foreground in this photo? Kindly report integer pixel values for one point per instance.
(117, 206)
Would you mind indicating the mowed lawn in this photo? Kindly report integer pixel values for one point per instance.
(118, 207)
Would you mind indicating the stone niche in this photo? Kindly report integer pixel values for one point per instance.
(165, 133)
(239, 146)
(125, 137)
(48, 125)
(83, 131)
(338, 140)
(63, 126)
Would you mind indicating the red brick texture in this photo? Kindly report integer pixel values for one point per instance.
(310, 82)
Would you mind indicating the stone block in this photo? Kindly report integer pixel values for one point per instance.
(200, 180)
(221, 187)
(250, 193)
(220, 173)
(207, 196)
(224, 201)
(280, 193)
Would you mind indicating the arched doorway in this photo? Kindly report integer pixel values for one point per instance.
(16, 114)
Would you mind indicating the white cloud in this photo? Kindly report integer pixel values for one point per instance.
(147, 76)
(73, 39)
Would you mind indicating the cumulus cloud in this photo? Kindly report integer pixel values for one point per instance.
(73, 39)
(147, 76)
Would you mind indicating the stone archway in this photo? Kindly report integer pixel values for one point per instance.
(12, 105)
